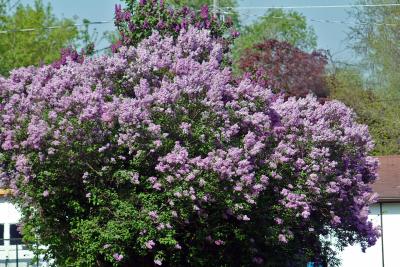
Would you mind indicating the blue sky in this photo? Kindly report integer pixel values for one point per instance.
(330, 35)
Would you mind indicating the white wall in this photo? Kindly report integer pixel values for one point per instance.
(8, 213)
(8, 253)
(353, 256)
(391, 234)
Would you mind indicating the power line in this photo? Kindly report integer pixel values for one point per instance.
(56, 27)
(355, 23)
(231, 8)
(314, 6)
(329, 21)
(102, 49)
(347, 23)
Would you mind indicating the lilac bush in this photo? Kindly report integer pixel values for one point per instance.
(155, 156)
(138, 20)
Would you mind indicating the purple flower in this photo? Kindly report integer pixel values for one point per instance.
(282, 238)
(204, 11)
(127, 16)
(185, 127)
(219, 242)
(184, 24)
(157, 186)
(235, 34)
(160, 25)
(153, 215)
(131, 26)
(150, 244)
(119, 14)
(146, 24)
(118, 257)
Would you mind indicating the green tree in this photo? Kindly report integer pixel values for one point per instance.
(2, 9)
(277, 24)
(372, 107)
(375, 38)
(24, 48)
(4, 4)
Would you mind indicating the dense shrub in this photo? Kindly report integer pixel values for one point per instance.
(285, 68)
(154, 156)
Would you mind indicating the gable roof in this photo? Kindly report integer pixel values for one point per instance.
(388, 183)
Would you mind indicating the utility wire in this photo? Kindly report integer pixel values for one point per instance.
(328, 21)
(101, 49)
(55, 27)
(234, 8)
(315, 6)
(345, 22)
(355, 23)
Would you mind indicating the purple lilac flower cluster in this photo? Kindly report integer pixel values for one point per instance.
(197, 157)
(140, 18)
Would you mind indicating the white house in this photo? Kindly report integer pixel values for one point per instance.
(386, 214)
(11, 248)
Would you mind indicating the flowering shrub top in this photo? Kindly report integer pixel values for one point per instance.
(138, 20)
(154, 156)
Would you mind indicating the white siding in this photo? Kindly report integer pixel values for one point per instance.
(8, 254)
(8, 213)
(391, 234)
(352, 256)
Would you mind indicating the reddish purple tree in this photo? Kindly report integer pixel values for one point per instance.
(285, 69)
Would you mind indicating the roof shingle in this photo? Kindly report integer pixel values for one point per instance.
(388, 183)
